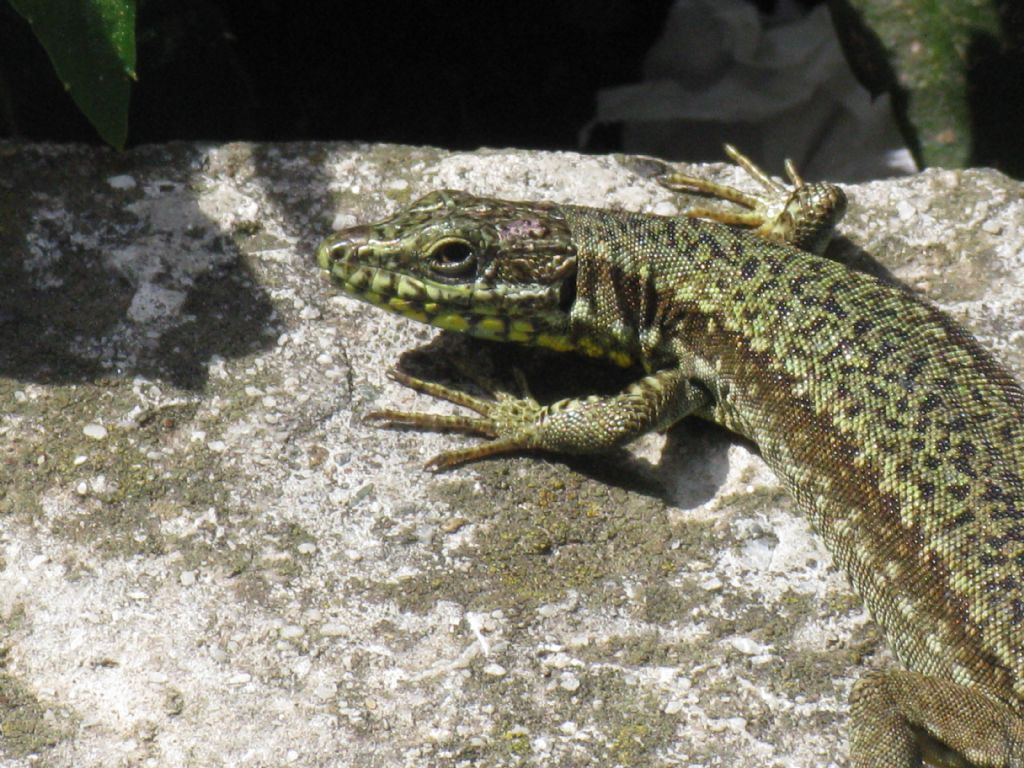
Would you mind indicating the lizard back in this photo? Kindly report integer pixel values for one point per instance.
(889, 424)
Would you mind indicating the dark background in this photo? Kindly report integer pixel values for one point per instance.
(452, 74)
(459, 74)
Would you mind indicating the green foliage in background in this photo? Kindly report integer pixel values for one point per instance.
(92, 46)
(924, 53)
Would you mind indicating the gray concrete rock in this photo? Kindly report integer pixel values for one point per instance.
(206, 558)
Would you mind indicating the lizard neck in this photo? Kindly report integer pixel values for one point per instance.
(628, 294)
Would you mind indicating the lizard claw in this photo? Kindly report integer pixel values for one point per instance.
(801, 214)
(506, 420)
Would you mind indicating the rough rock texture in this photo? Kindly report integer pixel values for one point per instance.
(207, 559)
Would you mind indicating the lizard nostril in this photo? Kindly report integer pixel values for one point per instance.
(325, 253)
(339, 246)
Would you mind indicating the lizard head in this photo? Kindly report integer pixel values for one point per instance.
(493, 269)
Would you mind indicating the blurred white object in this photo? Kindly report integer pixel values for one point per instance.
(718, 73)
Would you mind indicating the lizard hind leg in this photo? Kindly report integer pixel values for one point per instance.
(899, 719)
(801, 214)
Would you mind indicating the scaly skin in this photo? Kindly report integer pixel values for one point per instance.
(897, 433)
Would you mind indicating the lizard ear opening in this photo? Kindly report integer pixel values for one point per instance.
(567, 293)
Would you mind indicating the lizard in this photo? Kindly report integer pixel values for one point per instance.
(893, 429)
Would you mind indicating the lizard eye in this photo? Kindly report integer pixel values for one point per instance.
(452, 258)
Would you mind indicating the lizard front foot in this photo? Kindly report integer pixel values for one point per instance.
(575, 425)
(508, 420)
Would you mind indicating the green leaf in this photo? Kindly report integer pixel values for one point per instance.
(92, 46)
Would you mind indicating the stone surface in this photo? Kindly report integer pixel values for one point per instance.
(207, 559)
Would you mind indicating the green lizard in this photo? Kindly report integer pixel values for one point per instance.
(893, 429)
